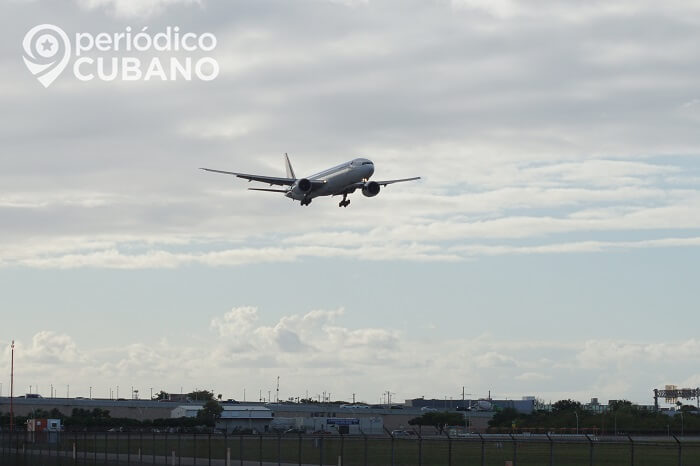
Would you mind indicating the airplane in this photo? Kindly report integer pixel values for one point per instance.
(342, 179)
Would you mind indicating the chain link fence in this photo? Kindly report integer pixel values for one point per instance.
(178, 449)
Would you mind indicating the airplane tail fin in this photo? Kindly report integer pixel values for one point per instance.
(288, 166)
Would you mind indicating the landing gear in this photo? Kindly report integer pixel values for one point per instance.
(305, 202)
(345, 202)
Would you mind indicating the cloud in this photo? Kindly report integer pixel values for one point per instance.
(134, 8)
(315, 351)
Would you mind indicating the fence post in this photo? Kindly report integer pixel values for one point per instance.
(240, 446)
(140, 446)
(300, 442)
(551, 449)
(209, 447)
(680, 451)
(279, 449)
(320, 449)
(128, 447)
(392, 446)
(260, 450)
(483, 450)
(631, 450)
(179, 447)
(449, 449)
(590, 450)
(153, 448)
(366, 447)
(515, 450)
(228, 456)
(194, 448)
(420, 449)
(342, 449)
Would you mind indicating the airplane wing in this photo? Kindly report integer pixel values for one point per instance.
(361, 184)
(263, 179)
(384, 183)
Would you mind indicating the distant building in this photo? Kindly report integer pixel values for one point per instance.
(43, 430)
(43, 425)
(186, 411)
(239, 417)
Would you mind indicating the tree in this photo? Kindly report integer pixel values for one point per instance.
(438, 420)
(615, 405)
(161, 395)
(211, 412)
(201, 395)
(504, 418)
(566, 406)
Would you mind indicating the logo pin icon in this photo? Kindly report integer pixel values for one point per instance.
(46, 52)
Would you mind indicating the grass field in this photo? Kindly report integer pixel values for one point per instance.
(355, 451)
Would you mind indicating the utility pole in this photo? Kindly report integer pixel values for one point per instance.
(353, 398)
(278, 389)
(12, 388)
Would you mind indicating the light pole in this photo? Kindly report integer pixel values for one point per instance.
(576, 414)
(12, 388)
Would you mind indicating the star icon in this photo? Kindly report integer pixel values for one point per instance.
(47, 45)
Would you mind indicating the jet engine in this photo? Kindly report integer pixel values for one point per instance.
(304, 185)
(370, 189)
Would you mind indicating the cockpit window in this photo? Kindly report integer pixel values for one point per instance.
(366, 163)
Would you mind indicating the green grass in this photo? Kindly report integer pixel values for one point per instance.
(378, 451)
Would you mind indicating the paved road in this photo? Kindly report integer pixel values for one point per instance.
(88, 457)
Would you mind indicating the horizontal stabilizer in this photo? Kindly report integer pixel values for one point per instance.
(268, 190)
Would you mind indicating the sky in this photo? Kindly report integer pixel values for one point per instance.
(549, 249)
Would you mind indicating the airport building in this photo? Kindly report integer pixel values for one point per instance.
(262, 417)
(238, 417)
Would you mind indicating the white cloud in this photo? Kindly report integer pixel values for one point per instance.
(135, 8)
(315, 351)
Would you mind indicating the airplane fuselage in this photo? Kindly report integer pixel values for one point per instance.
(336, 179)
